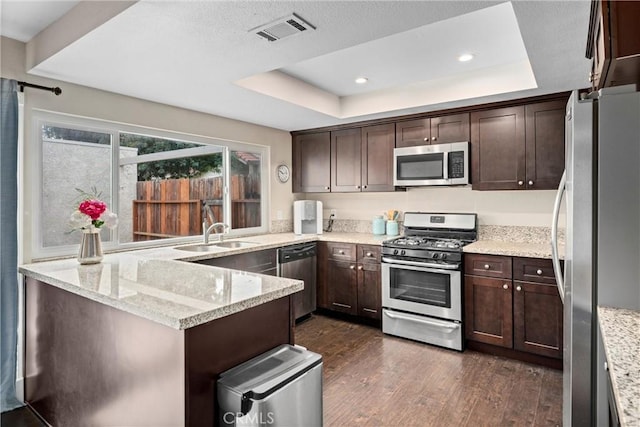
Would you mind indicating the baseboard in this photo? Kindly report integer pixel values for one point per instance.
(514, 354)
(20, 389)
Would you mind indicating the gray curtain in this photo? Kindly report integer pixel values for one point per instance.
(8, 243)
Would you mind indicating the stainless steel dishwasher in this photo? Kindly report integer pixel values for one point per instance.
(299, 262)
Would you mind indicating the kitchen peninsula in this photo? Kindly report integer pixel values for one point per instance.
(140, 341)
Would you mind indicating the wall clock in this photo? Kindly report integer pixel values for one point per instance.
(283, 173)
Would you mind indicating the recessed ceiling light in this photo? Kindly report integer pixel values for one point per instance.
(362, 80)
(465, 57)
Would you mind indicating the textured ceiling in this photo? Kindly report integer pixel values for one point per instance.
(189, 54)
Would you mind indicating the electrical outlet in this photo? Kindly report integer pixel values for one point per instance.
(334, 213)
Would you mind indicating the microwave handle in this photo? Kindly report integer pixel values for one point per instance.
(445, 165)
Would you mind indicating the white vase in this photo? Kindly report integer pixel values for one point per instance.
(90, 246)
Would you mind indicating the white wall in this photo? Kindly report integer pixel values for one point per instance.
(531, 208)
(88, 102)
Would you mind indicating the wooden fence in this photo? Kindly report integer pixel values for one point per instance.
(173, 207)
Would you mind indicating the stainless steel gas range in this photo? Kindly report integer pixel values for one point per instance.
(422, 278)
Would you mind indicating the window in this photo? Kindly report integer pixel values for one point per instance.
(162, 185)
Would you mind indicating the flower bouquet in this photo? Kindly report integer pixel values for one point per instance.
(90, 215)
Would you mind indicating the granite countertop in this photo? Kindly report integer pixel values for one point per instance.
(518, 249)
(519, 241)
(158, 285)
(621, 337)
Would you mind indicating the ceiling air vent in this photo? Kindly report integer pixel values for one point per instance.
(283, 27)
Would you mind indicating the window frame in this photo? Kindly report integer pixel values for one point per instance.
(113, 128)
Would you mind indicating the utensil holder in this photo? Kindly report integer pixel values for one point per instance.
(392, 228)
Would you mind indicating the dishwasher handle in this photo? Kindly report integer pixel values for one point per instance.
(294, 253)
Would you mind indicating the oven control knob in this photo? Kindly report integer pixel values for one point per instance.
(402, 252)
(443, 256)
(435, 256)
(395, 252)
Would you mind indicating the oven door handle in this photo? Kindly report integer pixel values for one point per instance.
(431, 322)
(436, 268)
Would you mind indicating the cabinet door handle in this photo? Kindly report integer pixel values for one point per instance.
(530, 182)
(341, 305)
(369, 254)
(370, 310)
(426, 139)
(539, 272)
(357, 186)
(341, 252)
(434, 138)
(520, 182)
(352, 267)
(326, 188)
(487, 266)
(359, 267)
(364, 186)
(505, 286)
(518, 288)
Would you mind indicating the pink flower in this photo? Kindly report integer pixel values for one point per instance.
(92, 208)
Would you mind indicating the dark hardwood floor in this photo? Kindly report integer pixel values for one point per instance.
(372, 379)
(21, 417)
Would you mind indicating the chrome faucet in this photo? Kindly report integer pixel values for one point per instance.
(206, 231)
(207, 213)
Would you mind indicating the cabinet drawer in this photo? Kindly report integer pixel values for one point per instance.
(487, 265)
(342, 251)
(534, 270)
(369, 253)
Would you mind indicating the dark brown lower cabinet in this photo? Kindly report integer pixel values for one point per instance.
(263, 262)
(369, 290)
(488, 310)
(343, 287)
(520, 311)
(537, 319)
(349, 279)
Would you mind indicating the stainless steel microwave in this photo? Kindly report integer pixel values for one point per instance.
(439, 164)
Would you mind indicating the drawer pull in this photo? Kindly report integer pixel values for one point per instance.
(370, 310)
(341, 305)
(369, 254)
(487, 266)
(359, 267)
(539, 272)
(518, 288)
(341, 252)
(505, 286)
(352, 267)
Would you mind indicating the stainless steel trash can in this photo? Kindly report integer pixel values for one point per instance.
(282, 387)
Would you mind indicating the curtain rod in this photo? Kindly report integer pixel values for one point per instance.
(55, 90)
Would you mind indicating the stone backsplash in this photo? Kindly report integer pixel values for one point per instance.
(518, 234)
(502, 233)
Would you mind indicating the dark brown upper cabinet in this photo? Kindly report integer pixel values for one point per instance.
(498, 149)
(613, 43)
(518, 148)
(434, 130)
(346, 156)
(312, 163)
(362, 159)
(377, 157)
(545, 122)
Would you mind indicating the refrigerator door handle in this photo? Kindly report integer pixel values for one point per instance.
(554, 236)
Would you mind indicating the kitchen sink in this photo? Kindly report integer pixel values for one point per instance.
(235, 244)
(212, 247)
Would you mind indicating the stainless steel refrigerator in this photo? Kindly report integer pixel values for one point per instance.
(602, 251)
